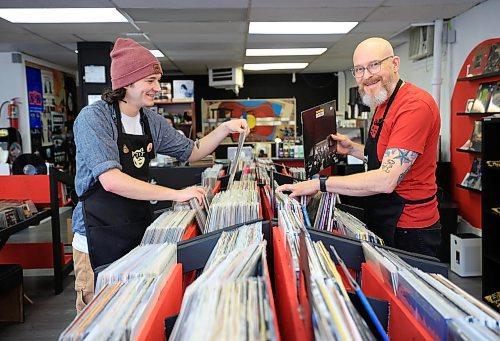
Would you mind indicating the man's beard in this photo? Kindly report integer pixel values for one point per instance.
(380, 97)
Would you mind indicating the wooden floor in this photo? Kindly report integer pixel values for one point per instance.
(49, 314)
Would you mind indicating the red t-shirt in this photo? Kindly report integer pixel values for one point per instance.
(413, 123)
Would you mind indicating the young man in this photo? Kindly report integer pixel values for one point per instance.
(400, 153)
(115, 140)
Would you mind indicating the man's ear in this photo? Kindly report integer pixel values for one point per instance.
(396, 62)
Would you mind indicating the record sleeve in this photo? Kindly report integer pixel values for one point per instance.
(478, 60)
(494, 105)
(483, 97)
(319, 149)
(493, 62)
(29, 164)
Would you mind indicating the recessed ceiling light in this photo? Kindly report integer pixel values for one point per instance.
(274, 66)
(157, 53)
(61, 15)
(310, 51)
(301, 27)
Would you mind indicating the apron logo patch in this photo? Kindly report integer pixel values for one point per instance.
(125, 149)
(149, 147)
(138, 157)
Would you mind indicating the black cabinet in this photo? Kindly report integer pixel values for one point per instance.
(490, 198)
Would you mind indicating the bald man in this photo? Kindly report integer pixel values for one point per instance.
(400, 154)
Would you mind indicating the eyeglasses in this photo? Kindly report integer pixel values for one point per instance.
(373, 67)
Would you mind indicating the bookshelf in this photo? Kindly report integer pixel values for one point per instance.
(462, 123)
(180, 109)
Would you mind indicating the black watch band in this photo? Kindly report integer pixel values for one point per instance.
(322, 183)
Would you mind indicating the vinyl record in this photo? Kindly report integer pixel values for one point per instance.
(29, 164)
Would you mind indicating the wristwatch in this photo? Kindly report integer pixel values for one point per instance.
(322, 182)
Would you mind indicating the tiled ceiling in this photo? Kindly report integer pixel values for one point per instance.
(197, 34)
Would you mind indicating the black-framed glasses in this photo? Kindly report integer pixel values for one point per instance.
(373, 67)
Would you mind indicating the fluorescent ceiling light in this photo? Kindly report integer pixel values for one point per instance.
(157, 53)
(310, 51)
(301, 27)
(61, 15)
(274, 66)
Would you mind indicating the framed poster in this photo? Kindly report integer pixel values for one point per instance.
(267, 119)
(183, 89)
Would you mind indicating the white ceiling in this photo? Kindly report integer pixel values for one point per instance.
(199, 34)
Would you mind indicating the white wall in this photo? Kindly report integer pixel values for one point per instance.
(13, 84)
(472, 27)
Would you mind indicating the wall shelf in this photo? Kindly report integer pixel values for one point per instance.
(469, 151)
(486, 75)
(469, 188)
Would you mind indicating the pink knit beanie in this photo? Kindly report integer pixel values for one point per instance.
(131, 62)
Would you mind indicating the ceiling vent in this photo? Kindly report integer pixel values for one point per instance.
(229, 78)
(421, 42)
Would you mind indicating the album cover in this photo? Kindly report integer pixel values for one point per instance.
(478, 60)
(319, 149)
(494, 104)
(493, 62)
(183, 89)
(483, 97)
(477, 136)
(473, 178)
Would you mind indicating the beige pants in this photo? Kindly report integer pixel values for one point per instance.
(84, 279)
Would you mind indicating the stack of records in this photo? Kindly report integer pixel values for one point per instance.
(334, 316)
(239, 204)
(14, 211)
(124, 292)
(231, 299)
(169, 227)
(332, 219)
(210, 175)
(444, 309)
(193, 204)
(298, 173)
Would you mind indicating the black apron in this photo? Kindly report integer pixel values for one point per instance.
(114, 224)
(384, 210)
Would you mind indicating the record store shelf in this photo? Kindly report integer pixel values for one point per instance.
(43, 190)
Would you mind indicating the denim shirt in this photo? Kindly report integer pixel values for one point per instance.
(97, 150)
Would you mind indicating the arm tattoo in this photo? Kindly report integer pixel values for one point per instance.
(387, 165)
(402, 175)
(403, 155)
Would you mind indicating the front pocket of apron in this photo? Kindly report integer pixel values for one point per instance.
(108, 243)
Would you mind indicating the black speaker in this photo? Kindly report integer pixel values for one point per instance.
(448, 213)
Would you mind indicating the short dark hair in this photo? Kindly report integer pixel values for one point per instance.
(113, 96)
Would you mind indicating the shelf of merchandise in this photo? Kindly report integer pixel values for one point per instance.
(483, 76)
(468, 204)
(490, 199)
(177, 108)
(470, 151)
(469, 188)
(46, 191)
(470, 113)
(400, 323)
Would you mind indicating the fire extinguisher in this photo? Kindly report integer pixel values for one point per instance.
(12, 112)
